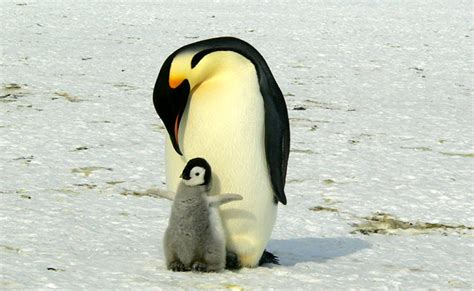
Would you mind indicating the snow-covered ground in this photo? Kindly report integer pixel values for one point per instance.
(380, 99)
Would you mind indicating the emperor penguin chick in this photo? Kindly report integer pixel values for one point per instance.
(194, 239)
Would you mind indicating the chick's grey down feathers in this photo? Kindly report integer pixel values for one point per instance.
(194, 238)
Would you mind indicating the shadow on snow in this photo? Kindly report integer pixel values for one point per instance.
(309, 249)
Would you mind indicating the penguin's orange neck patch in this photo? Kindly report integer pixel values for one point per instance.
(175, 81)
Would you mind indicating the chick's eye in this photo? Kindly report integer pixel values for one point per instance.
(197, 174)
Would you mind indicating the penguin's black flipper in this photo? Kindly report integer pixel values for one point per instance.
(268, 258)
(232, 261)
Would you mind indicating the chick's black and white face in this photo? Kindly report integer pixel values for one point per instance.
(197, 172)
(195, 177)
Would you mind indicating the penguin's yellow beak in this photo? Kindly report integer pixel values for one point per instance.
(171, 94)
(170, 97)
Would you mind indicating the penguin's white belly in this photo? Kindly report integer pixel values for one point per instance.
(225, 125)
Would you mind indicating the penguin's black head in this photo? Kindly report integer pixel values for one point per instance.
(185, 70)
(170, 97)
(197, 172)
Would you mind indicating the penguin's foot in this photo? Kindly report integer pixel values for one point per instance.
(268, 258)
(232, 261)
(177, 266)
(199, 267)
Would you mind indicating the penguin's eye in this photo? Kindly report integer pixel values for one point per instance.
(197, 174)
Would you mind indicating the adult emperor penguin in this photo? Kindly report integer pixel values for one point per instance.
(219, 100)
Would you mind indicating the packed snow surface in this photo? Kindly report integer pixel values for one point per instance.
(380, 179)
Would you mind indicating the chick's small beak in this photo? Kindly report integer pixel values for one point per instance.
(185, 176)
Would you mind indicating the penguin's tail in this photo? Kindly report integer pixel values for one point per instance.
(268, 258)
